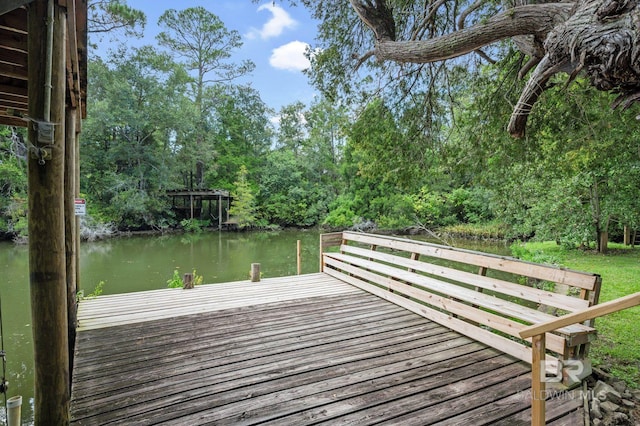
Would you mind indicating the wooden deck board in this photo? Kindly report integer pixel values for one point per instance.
(285, 352)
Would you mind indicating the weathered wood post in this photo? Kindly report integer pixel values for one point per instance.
(47, 265)
(187, 281)
(255, 272)
(538, 388)
(70, 226)
(220, 212)
(299, 257)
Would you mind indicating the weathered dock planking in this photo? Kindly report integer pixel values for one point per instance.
(294, 350)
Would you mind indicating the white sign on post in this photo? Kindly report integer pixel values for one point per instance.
(81, 207)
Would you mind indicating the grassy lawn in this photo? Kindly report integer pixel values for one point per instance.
(618, 343)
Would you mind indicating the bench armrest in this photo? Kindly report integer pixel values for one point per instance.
(581, 316)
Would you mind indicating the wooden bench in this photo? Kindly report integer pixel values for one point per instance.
(487, 297)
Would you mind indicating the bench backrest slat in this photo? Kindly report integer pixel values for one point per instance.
(478, 292)
(505, 325)
(499, 263)
(531, 294)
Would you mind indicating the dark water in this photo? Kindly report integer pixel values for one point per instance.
(146, 263)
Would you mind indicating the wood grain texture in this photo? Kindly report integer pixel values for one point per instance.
(346, 357)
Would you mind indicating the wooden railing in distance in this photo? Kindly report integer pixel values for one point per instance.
(537, 333)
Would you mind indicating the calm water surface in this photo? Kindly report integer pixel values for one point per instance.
(146, 263)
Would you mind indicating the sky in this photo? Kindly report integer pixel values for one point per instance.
(274, 36)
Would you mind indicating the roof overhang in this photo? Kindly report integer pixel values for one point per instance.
(14, 67)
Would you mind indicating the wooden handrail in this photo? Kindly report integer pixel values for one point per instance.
(537, 333)
(581, 316)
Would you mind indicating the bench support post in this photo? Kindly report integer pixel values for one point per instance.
(538, 386)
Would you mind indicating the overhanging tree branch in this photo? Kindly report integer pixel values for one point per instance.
(600, 38)
(522, 20)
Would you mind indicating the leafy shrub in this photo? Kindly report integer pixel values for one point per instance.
(432, 209)
(341, 214)
(470, 205)
(176, 280)
(194, 225)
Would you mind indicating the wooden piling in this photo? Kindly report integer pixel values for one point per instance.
(299, 257)
(187, 281)
(47, 264)
(70, 226)
(255, 272)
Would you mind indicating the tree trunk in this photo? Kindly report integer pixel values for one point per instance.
(604, 242)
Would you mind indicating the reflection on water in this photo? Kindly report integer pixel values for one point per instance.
(146, 263)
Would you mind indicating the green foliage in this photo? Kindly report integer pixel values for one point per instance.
(529, 253)
(176, 281)
(493, 230)
(341, 213)
(200, 41)
(432, 209)
(288, 194)
(124, 145)
(113, 16)
(394, 211)
(194, 226)
(424, 145)
(243, 208)
(97, 291)
(13, 185)
(617, 333)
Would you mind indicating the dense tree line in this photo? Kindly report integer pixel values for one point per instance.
(426, 149)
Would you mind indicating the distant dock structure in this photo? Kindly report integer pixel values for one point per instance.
(204, 204)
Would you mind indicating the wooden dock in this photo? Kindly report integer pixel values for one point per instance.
(295, 350)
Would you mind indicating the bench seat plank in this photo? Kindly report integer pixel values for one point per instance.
(503, 344)
(555, 342)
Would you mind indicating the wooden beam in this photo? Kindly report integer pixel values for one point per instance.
(13, 40)
(19, 91)
(10, 5)
(9, 120)
(13, 58)
(15, 21)
(13, 71)
(47, 269)
(9, 104)
(80, 7)
(73, 67)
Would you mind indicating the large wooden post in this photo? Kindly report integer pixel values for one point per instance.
(70, 225)
(46, 220)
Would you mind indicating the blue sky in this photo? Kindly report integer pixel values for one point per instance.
(274, 35)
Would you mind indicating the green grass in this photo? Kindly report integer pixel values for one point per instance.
(618, 334)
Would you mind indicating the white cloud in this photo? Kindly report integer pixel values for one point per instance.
(290, 57)
(280, 21)
(275, 120)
